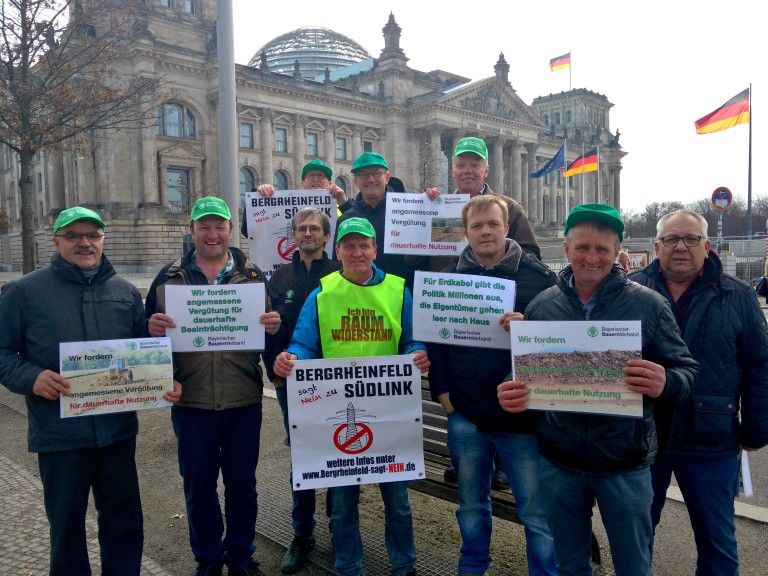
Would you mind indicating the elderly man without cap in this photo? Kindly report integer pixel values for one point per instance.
(218, 419)
(700, 440)
(591, 457)
(77, 298)
(361, 282)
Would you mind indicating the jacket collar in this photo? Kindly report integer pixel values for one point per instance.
(509, 263)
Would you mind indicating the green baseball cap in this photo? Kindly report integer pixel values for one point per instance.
(597, 213)
(369, 159)
(356, 226)
(74, 214)
(210, 206)
(316, 165)
(472, 145)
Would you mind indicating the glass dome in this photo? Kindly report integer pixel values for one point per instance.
(315, 48)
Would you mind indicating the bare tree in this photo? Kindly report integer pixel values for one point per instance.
(61, 82)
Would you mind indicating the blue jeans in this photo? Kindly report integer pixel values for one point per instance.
(398, 528)
(303, 510)
(709, 486)
(624, 500)
(472, 455)
(68, 477)
(211, 441)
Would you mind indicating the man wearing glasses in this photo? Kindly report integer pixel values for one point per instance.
(371, 174)
(700, 439)
(291, 284)
(77, 298)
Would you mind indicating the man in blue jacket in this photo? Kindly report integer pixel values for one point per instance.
(700, 439)
(77, 298)
(361, 282)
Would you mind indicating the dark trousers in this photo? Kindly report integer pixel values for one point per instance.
(68, 477)
(211, 441)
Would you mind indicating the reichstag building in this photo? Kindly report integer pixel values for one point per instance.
(309, 93)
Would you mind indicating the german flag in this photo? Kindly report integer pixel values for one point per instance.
(585, 163)
(560, 63)
(733, 112)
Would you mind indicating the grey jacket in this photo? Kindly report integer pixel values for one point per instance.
(57, 304)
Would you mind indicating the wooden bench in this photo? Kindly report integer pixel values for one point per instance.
(437, 459)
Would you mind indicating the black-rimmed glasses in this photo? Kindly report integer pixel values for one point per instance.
(689, 241)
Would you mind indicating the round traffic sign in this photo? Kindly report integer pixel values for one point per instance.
(721, 198)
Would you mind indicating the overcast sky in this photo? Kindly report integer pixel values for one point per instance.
(662, 64)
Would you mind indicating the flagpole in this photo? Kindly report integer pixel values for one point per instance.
(582, 174)
(749, 169)
(570, 69)
(567, 194)
(599, 190)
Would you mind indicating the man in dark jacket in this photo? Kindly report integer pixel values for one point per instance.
(77, 298)
(291, 284)
(464, 380)
(218, 419)
(700, 439)
(606, 458)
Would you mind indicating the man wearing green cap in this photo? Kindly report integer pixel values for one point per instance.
(371, 174)
(316, 175)
(77, 298)
(362, 282)
(470, 170)
(591, 457)
(217, 421)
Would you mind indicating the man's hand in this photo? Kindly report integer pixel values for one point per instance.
(174, 395)
(266, 190)
(507, 317)
(432, 193)
(284, 364)
(271, 321)
(337, 193)
(157, 324)
(445, 402)
(50, 385)
(421, 360)
(513, 396)
(645, 377)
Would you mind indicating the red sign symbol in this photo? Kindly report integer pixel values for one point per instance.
(285, 252)
(358, 442)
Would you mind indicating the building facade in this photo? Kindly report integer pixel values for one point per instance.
(143, 182)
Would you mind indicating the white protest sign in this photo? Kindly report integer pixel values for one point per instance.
(109, 376)
(355, 421)
(576, 366)
(414, 224)
(215, 317)
(461, 309)
(270, 236)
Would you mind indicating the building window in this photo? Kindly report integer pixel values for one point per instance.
(546, 119)
(279, 181)
(281, 140)
(189, 6)
(557, 118)
(568, 117)
(175, 121)
(247, 184)
(341, 148)
(341, 183)
(39, 182)
(246, 135)
(367, 146)
(179, 190)
(166, 3)
(312, 144)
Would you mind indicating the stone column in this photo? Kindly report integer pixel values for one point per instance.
(267, 144)
(150, 191)
(615, 172)
(530, 185)
(554, 215)
(357, 140)
(434, 177)
(299, 146)
(329, 138)
(497, 166)
(515, 166)
(164, 184)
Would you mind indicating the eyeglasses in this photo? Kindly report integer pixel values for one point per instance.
(315, 176)
(70, 236)
(365, 175)
(689, 241)
(310, 229)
